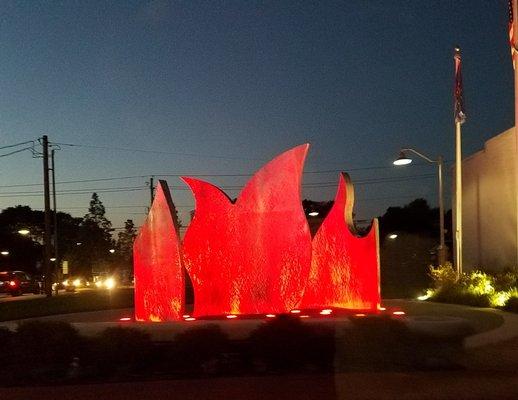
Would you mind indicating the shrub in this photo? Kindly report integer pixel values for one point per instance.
(194, 348)
(512, 304)
(119, 348)
(286, 343)
(46, 343)
(443, 276)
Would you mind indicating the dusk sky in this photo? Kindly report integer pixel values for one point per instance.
(209, 87)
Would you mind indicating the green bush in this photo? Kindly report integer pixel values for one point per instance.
(511, 305)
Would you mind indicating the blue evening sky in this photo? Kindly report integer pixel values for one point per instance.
(219, 87)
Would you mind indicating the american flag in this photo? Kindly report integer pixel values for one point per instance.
(511, 33)
(460, 115)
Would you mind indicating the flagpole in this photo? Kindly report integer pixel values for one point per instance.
(460, 117)
(514, 28)
(458, 199)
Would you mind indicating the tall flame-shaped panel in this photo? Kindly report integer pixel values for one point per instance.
(252, 256)
(344, 267)
(159, 276)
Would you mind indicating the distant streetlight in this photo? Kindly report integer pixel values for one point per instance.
(313, 213)
(24, 232)
(403, 159)
(53, 259)
(4, 253)
(112, 251)
(79, 244)
(392, 236)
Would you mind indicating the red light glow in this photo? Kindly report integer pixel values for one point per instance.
(255, 254)
(159, 275)
(12, 283)
(344, 268)
(360, 315)
(251, 256)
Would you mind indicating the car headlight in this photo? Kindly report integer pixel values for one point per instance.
(65, 282)
(77, 282)
(109, 283)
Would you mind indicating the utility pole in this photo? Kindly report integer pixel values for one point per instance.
(151, 189)
(47, 267)
(55, 232)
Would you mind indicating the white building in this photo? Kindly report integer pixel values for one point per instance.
(489, 201)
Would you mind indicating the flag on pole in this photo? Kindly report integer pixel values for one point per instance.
(460, 115)
(511, 33)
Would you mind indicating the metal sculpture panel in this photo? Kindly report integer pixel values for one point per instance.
(159, 275)
(344, 267)
(252, 256)
(255, 255)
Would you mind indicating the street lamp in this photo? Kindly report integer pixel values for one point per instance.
(403, 159)
(4, 253)
(24, 232)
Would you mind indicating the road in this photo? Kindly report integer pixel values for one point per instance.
(384, 385)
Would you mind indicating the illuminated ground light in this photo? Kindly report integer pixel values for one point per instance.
(270, 315)
(124, 319)
(295, 311)
(231, 316)
(398, 313)
(190, 319)
(326, 312)
(185, 316)
(360, 315)
(382, 308)
(304, 316)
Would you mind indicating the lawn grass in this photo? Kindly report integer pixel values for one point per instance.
(480, 319)
(94, 300)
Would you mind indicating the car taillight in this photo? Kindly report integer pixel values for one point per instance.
(12, 283)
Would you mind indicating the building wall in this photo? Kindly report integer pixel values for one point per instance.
(489, 215)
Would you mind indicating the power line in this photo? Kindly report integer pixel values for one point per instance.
(16, 144)
(15, 151)
(314, 185)
(157, 152)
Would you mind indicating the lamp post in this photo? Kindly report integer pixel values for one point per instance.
(404, 160)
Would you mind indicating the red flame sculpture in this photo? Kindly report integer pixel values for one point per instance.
(159, 276)
(255, 256)
(344, 267)
(250, 257)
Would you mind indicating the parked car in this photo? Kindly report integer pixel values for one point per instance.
(16, 283)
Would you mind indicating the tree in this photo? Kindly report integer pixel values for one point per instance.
(125, 243)
(95, 240)
(96, 216)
